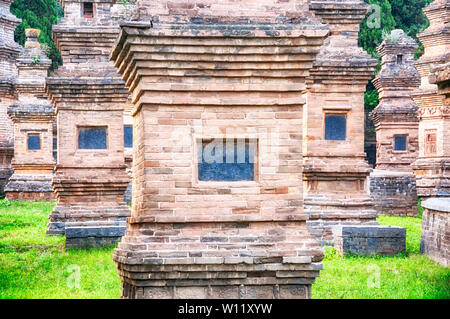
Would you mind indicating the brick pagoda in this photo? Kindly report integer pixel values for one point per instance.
(9, 51)
(33, 116)
(432, 168)
(435, 235)
(396, 123)
(89, 96)
(335, 171)
(202, 73)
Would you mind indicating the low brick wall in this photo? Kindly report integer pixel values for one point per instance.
(93, 237)
(394, 193)
(435, 237)
(370, 240)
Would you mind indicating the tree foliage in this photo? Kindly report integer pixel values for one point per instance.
(393, 14)
(38, 14)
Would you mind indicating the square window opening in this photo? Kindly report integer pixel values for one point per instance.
(34, 142)
(335, 127)
(92, 138)
(228, 160)
(400, 142)
(399, 59)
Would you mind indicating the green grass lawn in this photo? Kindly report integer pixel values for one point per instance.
(33, 265)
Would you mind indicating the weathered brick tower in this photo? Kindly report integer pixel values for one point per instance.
(9, 50)
(33, 116)
(435, 235)
(335, 171)
(397, 127)
(89, 96)
(205, 74)
(432, 168)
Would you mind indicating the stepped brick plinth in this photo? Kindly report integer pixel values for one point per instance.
(432, 168)
(90, 176)
(9, 51)
(199, 73)
(33, 116)
(397, 127)
(335, 171)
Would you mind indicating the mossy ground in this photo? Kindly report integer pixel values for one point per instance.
(33, 265)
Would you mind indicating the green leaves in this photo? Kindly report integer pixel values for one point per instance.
(393, 14)
(38, 14)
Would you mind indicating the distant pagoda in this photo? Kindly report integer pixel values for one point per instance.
(33, 116)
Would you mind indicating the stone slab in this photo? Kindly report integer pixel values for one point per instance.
(93, 237)
(440, 204)
(104, 231)
(370, 240)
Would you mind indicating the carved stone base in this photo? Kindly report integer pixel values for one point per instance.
(30, 187)
(239, 288)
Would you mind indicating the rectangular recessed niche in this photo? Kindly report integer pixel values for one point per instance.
(400, 143)
(335, 127)
(88, 10)
(92, 138)
(128, 136)
(430, 143)
(34, 142)
(227, 159)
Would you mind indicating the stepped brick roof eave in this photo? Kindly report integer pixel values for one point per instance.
(139, 28)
